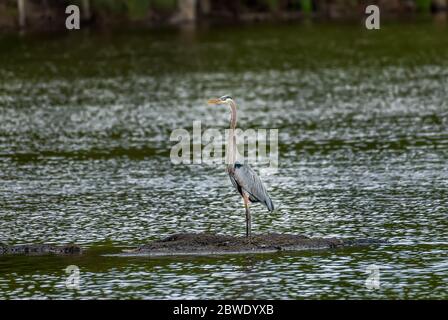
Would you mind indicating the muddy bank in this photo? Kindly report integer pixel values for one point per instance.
(206, 244)
(40, 249)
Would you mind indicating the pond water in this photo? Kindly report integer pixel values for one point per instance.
(85, 124)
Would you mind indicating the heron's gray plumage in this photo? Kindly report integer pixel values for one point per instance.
(244, 179)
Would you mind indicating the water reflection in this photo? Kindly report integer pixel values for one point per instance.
(306, 275)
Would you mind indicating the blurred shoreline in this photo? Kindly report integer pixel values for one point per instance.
(49, 15)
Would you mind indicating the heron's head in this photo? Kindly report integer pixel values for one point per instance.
(223, 100)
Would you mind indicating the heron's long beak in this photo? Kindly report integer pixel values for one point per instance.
(214, 101)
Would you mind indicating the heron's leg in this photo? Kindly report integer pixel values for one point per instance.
(248, 220)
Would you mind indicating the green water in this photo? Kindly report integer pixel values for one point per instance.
(85, 121)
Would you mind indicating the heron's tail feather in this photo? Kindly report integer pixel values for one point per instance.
(269, 204)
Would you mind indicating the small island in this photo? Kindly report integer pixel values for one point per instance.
(212, 244)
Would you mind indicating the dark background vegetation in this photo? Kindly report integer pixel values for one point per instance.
(50, 14)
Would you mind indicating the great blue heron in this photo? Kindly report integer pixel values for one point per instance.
(243, 178)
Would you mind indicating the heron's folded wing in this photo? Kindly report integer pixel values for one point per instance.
(249, 181)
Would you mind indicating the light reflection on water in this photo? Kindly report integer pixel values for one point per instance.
(363, 153)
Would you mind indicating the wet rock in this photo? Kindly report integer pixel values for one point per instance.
(205, 243)
(40, 249)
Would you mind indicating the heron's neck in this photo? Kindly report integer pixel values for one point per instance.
(232, 115)
(231, 146)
